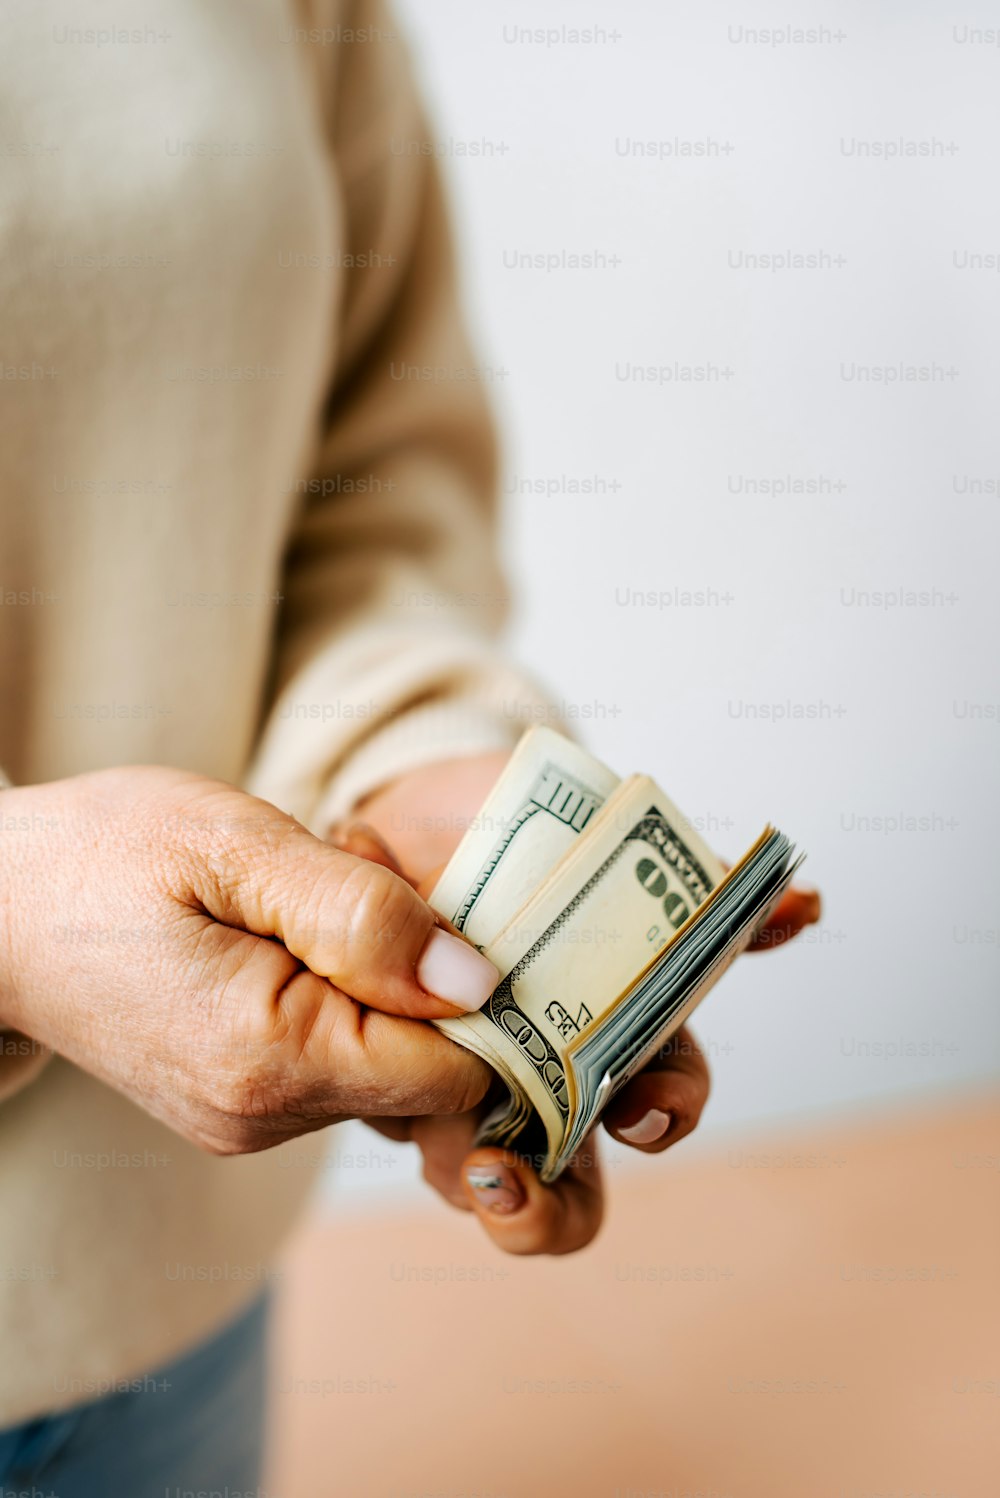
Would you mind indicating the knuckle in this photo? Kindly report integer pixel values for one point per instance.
(378, 913)
(219, 837)
(465, 1088)
(244, 1106)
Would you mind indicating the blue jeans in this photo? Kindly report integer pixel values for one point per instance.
(194, 1424)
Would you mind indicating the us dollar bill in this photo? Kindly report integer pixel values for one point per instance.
(572, 951)
(605, 933)
(547, 796)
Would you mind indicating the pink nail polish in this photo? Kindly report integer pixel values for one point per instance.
(650, 1127)
(453, 970)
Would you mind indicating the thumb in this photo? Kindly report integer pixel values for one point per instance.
(347, 919)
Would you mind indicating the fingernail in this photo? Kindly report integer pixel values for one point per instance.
(454, 971)
(652, 1125)
(496, 1188)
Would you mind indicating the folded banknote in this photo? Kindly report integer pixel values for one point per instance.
(608, 918)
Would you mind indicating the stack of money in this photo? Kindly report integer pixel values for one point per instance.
(609, 920)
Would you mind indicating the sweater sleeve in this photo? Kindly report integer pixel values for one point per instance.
(21, 1058)
(386, 656)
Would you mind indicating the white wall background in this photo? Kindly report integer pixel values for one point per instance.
(901, 703)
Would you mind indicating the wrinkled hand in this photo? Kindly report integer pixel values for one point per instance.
(414, 825)
(205, 955)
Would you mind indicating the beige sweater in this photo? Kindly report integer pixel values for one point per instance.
(246, 491)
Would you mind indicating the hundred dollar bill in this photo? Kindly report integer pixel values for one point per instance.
(573, 950)
(626, 924)
(548, 795)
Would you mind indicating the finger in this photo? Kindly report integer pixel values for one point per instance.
(521, 1215)
(665, 1101)
(425, 885)
(348, 919)
(363, 841)
(301, 1051)
(796, 909)
(397, 1129)
(385, 1065)
(445, 1143)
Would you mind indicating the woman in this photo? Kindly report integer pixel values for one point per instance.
(245, 528)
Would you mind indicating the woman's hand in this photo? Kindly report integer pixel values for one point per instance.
(414, 825)
(520, 1214)
(204, 954)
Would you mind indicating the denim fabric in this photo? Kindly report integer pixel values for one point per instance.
(194, 1426)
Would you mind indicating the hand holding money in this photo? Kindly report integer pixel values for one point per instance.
(608, 919)
(413, 825)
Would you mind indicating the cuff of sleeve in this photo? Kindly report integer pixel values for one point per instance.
(419, 736)
(21, 1058)
(388, 701)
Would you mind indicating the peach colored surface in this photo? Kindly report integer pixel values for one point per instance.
(802, 1315)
